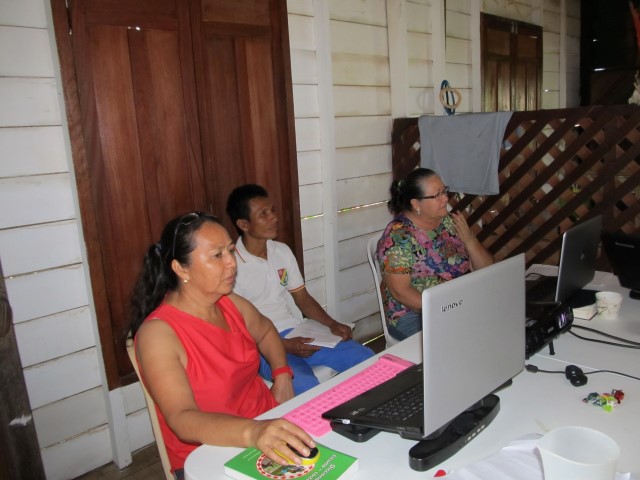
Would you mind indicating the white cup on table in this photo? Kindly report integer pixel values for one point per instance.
(608, 304)
(578, 453)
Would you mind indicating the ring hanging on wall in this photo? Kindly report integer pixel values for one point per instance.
(450, 97)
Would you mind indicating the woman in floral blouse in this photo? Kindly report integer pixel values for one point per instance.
(421, 247)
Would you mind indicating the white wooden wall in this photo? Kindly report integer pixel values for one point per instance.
(355, 65)
(374, 44)
(43, 259)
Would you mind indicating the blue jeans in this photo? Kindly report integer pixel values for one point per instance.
(406, 326)
(340, 358)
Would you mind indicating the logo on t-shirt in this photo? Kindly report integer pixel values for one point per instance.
(284, 276)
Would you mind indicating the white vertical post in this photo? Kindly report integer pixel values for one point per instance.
(439, 52)
(398, 57)
(476, 58)
(327, 153)
(562, 74)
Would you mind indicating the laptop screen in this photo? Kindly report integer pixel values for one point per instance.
(578, 257)
(473, 338)
(473, 342)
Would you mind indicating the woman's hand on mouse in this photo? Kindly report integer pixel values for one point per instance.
(279, 435)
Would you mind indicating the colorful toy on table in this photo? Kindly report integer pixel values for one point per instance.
(606, 400)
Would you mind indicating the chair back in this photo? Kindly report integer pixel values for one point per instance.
(377, 278)
(153, 415)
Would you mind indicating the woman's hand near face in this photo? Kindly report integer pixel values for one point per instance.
(462, 227)
(271, 435)
(479, 256)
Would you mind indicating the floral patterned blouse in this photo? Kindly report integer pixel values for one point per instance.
(430, 258)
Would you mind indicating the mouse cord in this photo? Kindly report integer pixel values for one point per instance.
(632, 344)
(534, 369)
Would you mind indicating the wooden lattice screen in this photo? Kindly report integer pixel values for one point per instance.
(557, 167)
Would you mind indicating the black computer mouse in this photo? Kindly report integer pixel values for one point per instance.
(575, 375)
(313, 452)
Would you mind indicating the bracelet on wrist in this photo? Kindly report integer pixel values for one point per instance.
(280, 371)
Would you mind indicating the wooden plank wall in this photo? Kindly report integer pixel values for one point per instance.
(42, 253)
(355, 41)
(557, 168)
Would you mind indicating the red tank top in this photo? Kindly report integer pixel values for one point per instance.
(222, 368)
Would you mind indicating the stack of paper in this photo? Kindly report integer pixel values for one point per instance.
(311, 329)
(585, 313)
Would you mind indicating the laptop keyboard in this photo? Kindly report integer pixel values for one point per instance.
(308, 416)
(401, 407)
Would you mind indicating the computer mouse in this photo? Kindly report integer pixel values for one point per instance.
(575, 375)
(310, 459)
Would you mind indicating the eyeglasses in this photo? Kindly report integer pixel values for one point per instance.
(185, 220)
(441, 193)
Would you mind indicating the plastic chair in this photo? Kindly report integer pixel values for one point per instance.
(377, 278)
(153, 415)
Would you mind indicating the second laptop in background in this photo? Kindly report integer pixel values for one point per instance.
(576, 269)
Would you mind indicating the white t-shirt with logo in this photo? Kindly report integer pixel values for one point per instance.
(267, 283)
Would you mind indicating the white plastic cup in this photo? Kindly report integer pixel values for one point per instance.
(608, 304)
(578, 453)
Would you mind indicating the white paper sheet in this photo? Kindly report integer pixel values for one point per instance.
(519, 460)
(311, 329)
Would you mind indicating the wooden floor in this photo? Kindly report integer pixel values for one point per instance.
(146, 464)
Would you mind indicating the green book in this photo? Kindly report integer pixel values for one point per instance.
(253, 464)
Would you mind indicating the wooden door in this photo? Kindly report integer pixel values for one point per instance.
(511, 65)
(166, 116)
(247, 120)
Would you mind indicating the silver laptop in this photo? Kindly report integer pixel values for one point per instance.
(473, 343)
(576, 269)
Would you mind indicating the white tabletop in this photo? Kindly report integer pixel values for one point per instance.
(535, 403)
(584, 353)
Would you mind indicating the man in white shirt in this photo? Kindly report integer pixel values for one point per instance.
(269, 277)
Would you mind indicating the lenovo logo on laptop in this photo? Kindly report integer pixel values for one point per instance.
(451, 306)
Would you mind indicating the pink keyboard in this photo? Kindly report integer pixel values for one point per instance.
(309, 415)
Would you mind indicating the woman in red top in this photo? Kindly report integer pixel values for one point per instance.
(198, 346)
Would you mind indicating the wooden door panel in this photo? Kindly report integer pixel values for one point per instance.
(140, 128)
(169, 149)
(512, 58)
(505, 86)
(498, 42)
(171, 104)
(490, 86)
(228, 137)
(520, 87)
(526, 47)
(261, 108)
(249, 107)
(533, 87)
(115, 171)
(240, 12)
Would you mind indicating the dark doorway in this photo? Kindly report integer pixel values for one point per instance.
(608, 52)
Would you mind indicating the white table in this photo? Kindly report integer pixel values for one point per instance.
(585, 354)
(535, 403)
